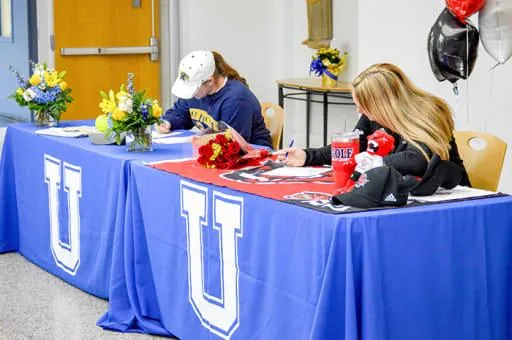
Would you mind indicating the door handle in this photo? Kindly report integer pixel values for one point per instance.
(152, 50)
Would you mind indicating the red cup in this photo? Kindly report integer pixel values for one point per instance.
(343, 146)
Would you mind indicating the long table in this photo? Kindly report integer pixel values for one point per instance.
(176, 256)
(214, 261)
(61, 200)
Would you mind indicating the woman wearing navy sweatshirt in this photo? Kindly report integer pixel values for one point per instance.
(209, 91)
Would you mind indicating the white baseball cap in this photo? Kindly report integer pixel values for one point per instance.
(195, 68)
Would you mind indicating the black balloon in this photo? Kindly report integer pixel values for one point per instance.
(452, 47)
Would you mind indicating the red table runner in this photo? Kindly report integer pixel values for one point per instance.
(311, 187)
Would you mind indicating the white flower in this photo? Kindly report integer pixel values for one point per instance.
(125, 106)
(39, 69)
(28, 95)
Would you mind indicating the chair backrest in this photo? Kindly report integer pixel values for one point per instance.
(273, 115)
(483, 155)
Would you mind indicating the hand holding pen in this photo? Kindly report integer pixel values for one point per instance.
(292, 156)
(289, 146)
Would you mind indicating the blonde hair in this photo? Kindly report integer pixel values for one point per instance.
(222, 68)
(395, 102)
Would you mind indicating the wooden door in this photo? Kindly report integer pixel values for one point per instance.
(94, 25)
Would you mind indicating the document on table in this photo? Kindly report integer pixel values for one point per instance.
(70, 132)
(170, 138)
(459, 192)
(173, 140)
(291, 171)
(157, 135)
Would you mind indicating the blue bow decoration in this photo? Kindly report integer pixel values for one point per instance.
(318, 68)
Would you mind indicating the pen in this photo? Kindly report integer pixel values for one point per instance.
(289, 145)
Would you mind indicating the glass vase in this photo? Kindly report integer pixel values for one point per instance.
(45, 118)
(140, 139)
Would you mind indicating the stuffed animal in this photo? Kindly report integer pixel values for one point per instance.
(380, 144)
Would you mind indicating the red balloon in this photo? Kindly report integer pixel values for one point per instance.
(464, 8)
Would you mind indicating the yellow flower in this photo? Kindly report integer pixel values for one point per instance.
(107, 106)
(35, 79)
(228, 134)
(118, 114)
(51, 78)
(157, 110)
(63, 85)
(111, 96)
(216, 151)
(19, 91)
(121, 95)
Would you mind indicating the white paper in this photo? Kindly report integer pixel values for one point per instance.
(459, 192)
(292, 171)
(71, 131)
(157, 135)
(173, 140)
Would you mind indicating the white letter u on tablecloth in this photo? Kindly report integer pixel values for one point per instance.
(219, 314)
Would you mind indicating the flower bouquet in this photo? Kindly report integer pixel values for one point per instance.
(130, 112)
(328, 64)
(223, 148)
(45, 93)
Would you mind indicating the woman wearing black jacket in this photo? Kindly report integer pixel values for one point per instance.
(421, 123)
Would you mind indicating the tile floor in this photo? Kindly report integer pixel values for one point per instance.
(37, 305)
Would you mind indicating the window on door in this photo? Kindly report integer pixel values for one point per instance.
(5, 19)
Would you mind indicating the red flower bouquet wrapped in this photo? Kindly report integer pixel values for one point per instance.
(223, 150)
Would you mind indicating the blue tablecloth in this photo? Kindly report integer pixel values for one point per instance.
(180, 257)
(88, 184)
(204, 262)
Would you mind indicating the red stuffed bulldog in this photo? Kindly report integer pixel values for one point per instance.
(380, 144)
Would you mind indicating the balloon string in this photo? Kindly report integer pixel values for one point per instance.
(467, 76)
(456, 92)
(491, 85)
(492, 68)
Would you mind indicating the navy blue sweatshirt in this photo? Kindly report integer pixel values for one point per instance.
(233, 104)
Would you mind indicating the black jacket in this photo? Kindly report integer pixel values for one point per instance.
(405, 158)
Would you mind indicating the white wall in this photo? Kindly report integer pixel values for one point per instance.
(262, 39)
